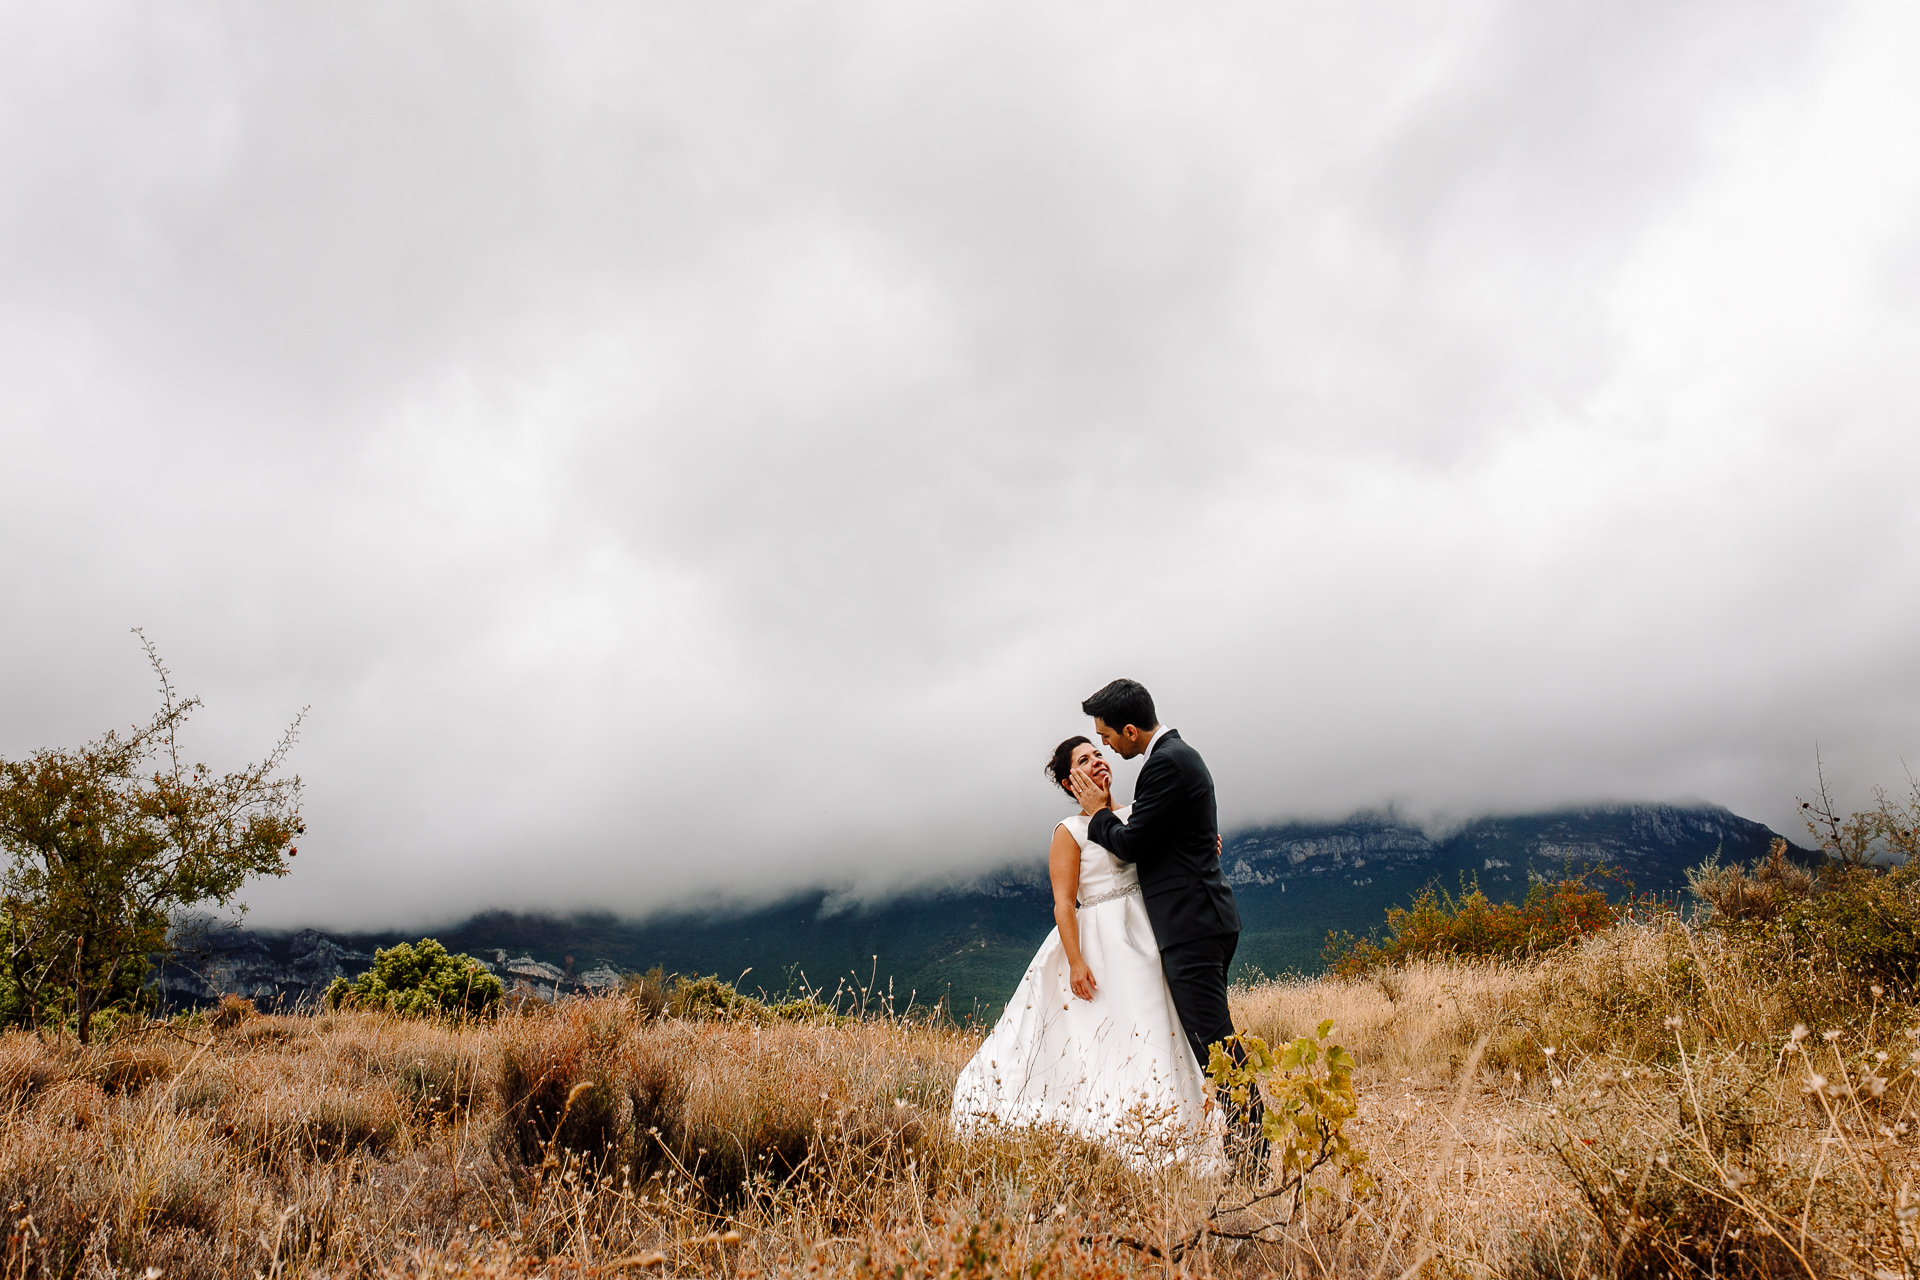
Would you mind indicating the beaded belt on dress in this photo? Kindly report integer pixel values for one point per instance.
(1108, 896)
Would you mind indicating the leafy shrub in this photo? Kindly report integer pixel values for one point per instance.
(1864, 922)
(809, 1009)
(1733, 895)
(1473, 926)
(701, 998)
(1834, 931)
(704, 998)
(421, 980)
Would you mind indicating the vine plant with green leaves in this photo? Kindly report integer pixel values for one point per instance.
(1307, 1090)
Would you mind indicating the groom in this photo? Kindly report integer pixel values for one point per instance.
(1172, 838)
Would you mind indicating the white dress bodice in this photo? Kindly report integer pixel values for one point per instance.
(1103, 877)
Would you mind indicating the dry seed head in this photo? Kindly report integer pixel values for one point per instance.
(1800, 1032)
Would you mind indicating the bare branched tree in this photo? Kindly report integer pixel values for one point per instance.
(1889, 832)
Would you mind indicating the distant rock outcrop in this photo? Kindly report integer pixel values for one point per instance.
(526, 977)
(284, 971)
(1652, 843)
(292, 971)
(603, 979)
(1268, 855)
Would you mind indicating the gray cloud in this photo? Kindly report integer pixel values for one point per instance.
(682, 453)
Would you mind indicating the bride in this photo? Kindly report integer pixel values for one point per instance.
(1090, 1041)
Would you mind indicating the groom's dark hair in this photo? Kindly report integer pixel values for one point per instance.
(1122, 703)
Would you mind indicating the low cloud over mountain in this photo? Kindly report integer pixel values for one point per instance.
(686, 455)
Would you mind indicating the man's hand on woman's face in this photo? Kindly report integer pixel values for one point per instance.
(1092, 796)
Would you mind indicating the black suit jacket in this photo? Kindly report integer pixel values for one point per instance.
(1169, 838)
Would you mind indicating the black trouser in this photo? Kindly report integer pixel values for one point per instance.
(1197, 979)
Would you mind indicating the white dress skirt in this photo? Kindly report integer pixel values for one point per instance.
(1116, 1069)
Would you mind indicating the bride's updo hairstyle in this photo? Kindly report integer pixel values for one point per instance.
(1062, 763)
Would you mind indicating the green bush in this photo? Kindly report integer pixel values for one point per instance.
(700, 998)
(423, 980)
(1865, 922)
(1472, 925)
(708, 997)
(1835, 931)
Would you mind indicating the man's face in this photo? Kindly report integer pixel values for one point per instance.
(1125, 742)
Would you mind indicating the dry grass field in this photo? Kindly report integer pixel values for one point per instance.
(1641, 1104)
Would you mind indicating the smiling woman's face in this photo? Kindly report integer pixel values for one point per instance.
(1087, 756)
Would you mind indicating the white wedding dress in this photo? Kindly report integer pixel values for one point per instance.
(1117, 1068)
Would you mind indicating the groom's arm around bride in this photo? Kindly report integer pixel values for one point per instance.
(1172, 833)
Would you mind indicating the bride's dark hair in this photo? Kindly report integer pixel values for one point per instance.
(1062, 763)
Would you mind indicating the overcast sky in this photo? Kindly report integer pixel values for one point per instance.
(690, 450)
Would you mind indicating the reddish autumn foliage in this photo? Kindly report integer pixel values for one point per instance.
(1472, 925)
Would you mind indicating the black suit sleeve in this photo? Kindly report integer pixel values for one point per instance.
(1148, 833)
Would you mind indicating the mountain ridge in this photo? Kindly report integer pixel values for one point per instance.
(968, 943)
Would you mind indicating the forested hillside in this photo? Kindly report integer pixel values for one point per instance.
(969, 945)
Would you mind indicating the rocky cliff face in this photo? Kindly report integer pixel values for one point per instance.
(526, 978)
(275, 972)
(1268, 855)
(1653, 844)
(292, 971)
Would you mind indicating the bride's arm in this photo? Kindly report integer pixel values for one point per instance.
(1063, 868)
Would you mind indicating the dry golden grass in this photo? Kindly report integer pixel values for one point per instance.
(1638, 1106)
